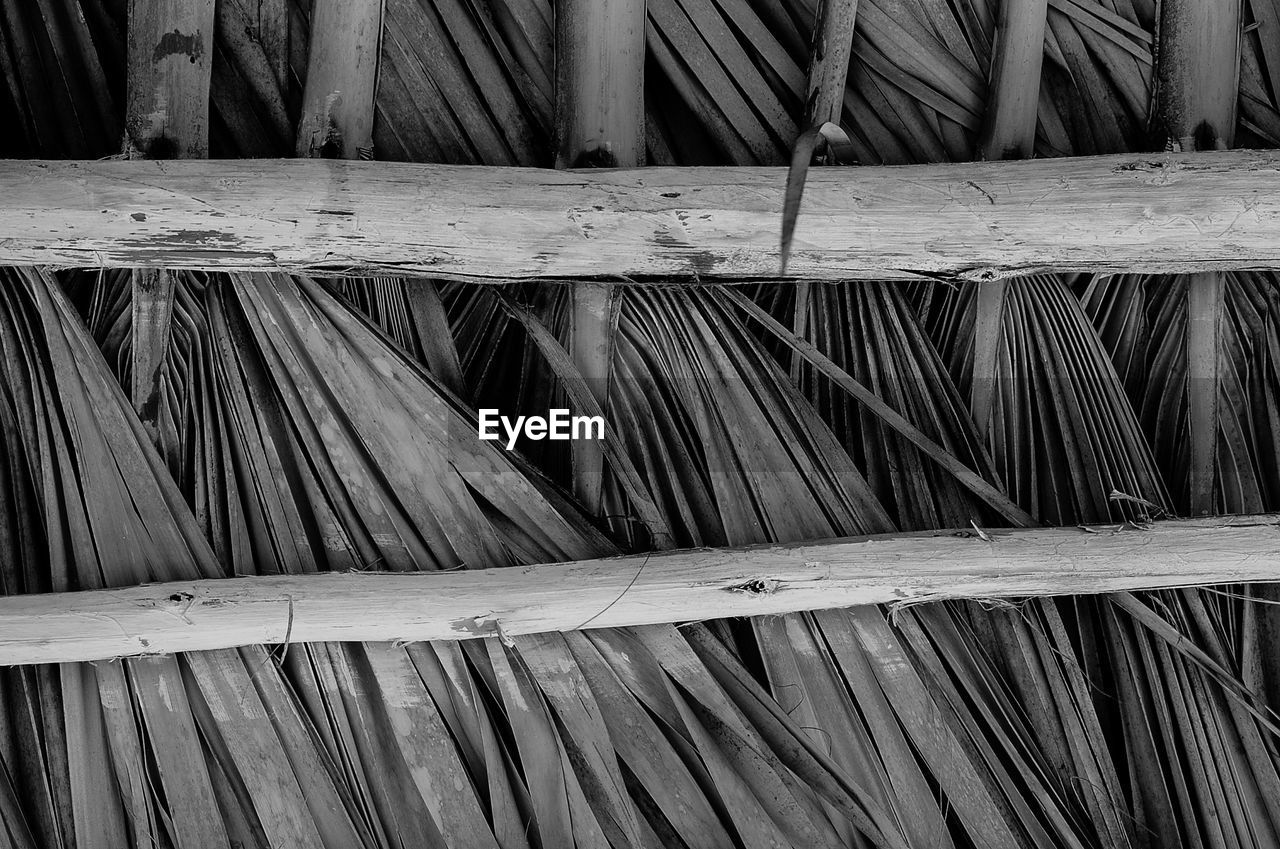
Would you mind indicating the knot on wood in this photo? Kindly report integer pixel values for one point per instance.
(756, 586)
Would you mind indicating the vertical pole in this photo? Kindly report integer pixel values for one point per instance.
(342, 78)
(599, 122)
(1199, 72)
(1199, 78)
(829, 56)
(1009, 126)
(170, 59)
(599, 115)
(1206, 294)
(153, 291)
(1008, 132)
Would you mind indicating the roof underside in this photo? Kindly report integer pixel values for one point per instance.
(470, 82)
(179, 425)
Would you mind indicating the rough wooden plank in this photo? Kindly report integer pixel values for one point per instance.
(170, 60)
(673, 586)
(1136, 212)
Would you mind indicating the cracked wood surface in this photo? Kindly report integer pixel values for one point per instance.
(674, 586)
(1134, 212)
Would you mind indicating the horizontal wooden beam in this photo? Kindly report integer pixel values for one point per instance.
(1134, 212)
(638, 590)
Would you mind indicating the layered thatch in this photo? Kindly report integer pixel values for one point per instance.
(305, 425)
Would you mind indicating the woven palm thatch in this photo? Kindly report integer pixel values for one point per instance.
(306, 425)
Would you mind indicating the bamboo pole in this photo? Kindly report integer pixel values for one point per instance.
(599, 118)
(645, 589)
(829, 55)
(152, 315)
(170, 62)
(1009, 127)
(1206, 300)
(1008, 132)
(599, 122)
(342, 74)
(1199, 74)
(1159, 213)
(829, 61)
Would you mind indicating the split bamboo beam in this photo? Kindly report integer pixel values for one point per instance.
(1159, 213)
(665, 587)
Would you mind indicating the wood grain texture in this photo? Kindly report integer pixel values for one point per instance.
(642, 589)
(1136, 212)
(170, 61)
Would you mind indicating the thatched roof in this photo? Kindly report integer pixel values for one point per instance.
(163, 425)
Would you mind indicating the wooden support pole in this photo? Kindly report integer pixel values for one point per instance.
(1206, 299)
(152, 305)
(829, 55)
(599, 122)
(170, 61)
(1199, 76)
(592, 311)
(1008, 132)
(1009, 127)
(599, 119)
(675, 586)
(342, 76)
(1158, 213)
(1199, 72)
(829, 61)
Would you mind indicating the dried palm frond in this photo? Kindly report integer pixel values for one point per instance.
(306, 425)
(871, 331)
(1031, 366)
(1143, 322)
(63, 68)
